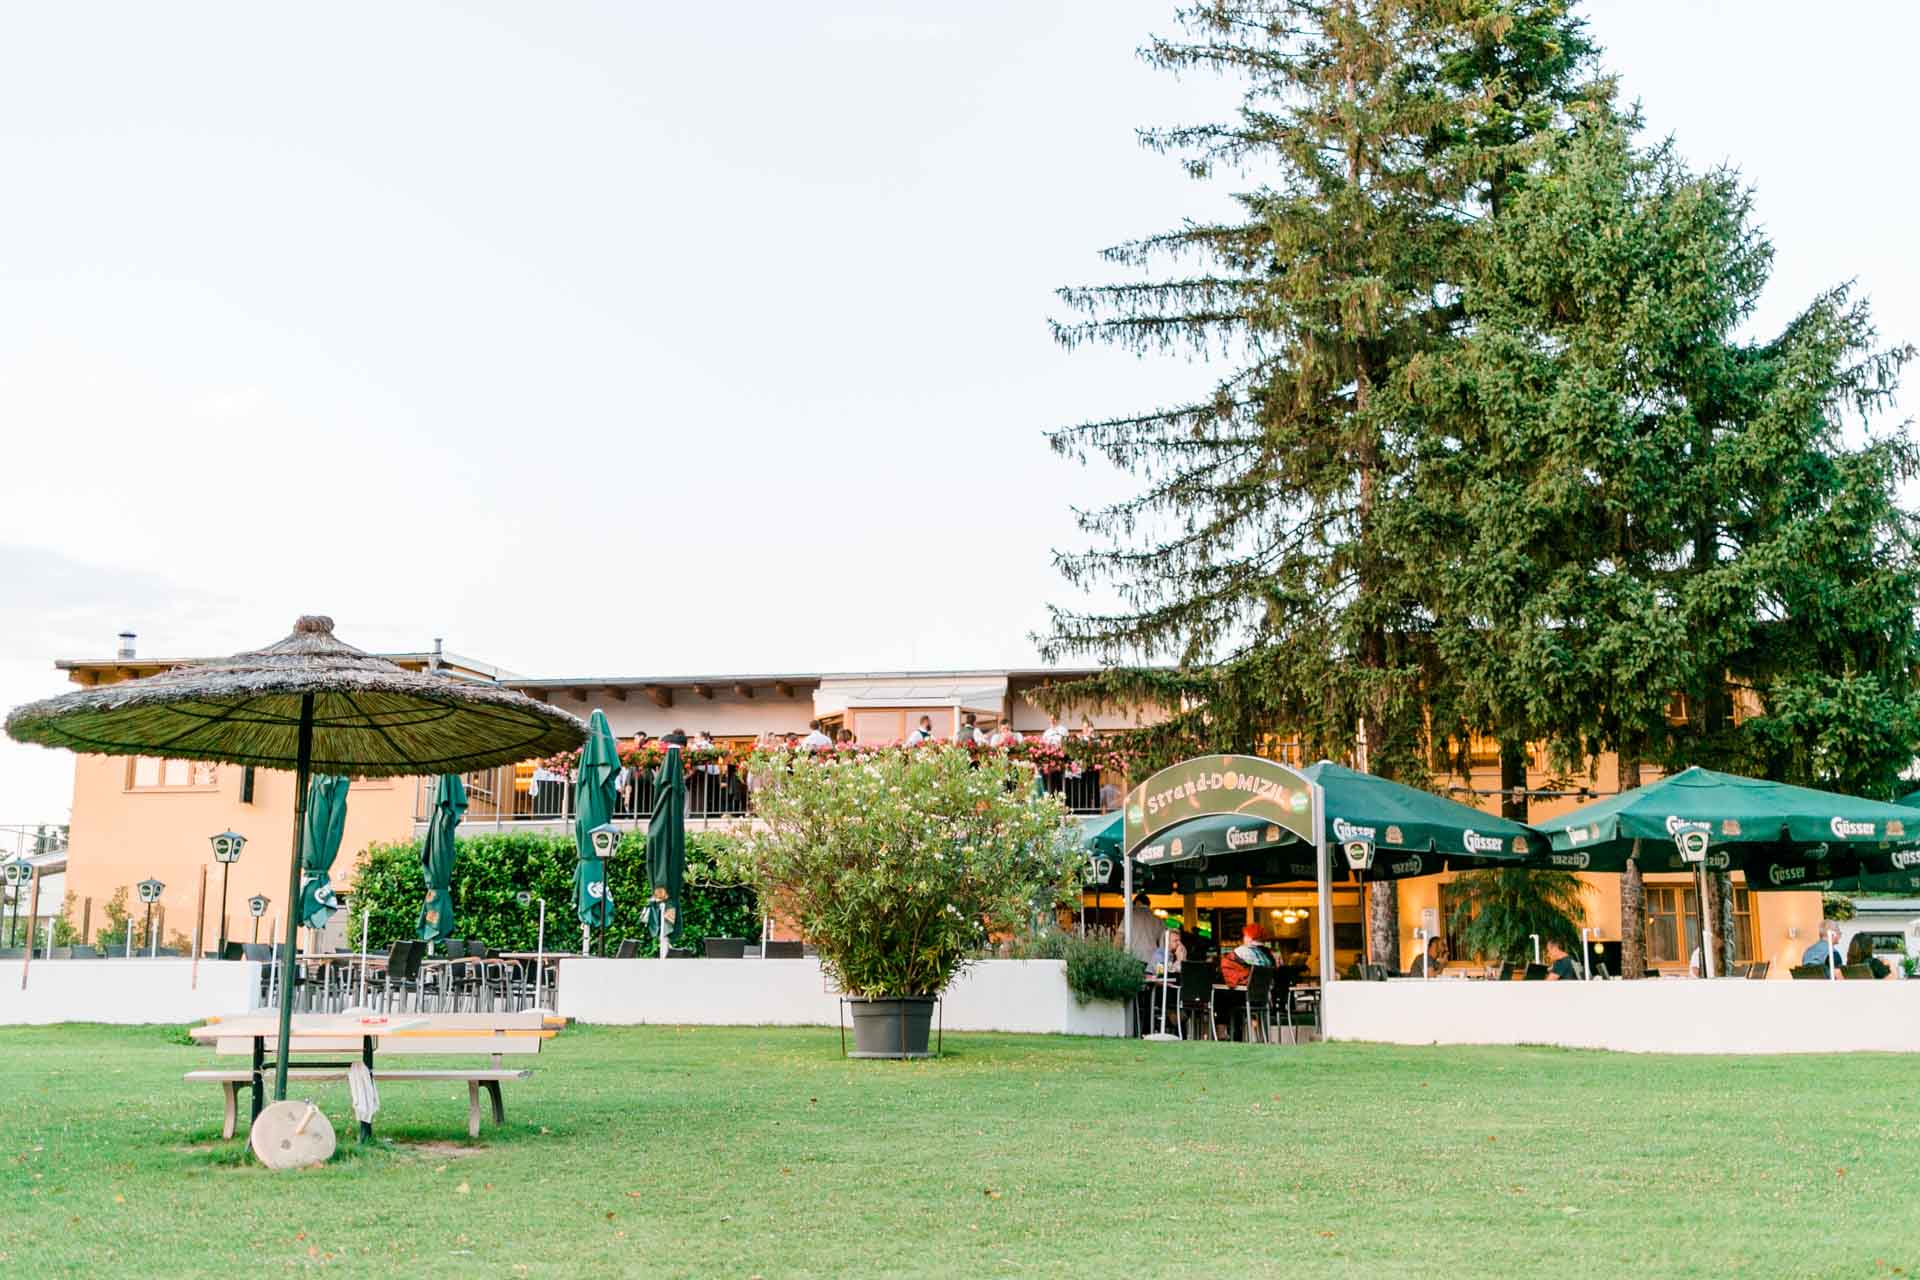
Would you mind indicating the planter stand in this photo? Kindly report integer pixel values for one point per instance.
(900, 1029)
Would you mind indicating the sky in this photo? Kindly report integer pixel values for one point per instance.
(637, 338)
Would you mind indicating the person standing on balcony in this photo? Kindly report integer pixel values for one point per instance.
(815, 739)
(969, 735)
(1003, 734)
(1056, 732)
(678, 738)
(922, 733)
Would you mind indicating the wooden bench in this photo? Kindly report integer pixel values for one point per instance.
(488, 1078)
(493, 1034)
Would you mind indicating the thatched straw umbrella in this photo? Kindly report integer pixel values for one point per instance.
(309, 703)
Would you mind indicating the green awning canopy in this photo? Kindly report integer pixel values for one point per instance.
(326, 821)
(1780, 835)
(1394, 817)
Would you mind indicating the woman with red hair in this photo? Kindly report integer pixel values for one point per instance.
(1238, 965)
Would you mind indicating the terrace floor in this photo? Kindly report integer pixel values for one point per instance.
(739, 1152)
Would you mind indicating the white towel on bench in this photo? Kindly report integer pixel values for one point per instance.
(366, 1097)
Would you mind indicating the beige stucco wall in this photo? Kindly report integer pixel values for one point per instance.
(121, 836)
(725, 715)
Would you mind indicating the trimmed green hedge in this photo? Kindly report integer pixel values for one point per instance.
(489, 870)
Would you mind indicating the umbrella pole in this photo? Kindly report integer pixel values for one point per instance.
(302, 767)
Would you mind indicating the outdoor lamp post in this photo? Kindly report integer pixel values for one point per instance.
(257, 907)
(226, 851)
(16, 873)
(150, 891)
(1691, 839)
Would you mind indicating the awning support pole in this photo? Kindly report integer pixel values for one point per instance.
(1323, 896)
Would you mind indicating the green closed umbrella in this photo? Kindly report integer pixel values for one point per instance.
(436, 859)
(667, 846)
(326, 820)
(595, 793)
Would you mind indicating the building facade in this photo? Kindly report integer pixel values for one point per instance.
(135, 819)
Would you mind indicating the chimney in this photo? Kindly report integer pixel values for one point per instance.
(434, 665)
(126, 645)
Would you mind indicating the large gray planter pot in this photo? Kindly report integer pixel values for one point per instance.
(891, 1028)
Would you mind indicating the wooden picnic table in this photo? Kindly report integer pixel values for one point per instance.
(313, 1032)
(495, 1034)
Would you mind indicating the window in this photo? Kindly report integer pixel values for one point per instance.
(146, 773)
(1673, 924)
(1746, 940)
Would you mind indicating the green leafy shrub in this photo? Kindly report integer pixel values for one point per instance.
(1040, 944)
(1102, 970)
(112, 936)
(489, 871)
(900, 865)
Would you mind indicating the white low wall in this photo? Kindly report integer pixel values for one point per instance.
(125, 990)
(993, 995)
(1649, 1016)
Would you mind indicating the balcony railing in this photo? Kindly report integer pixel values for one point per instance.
(514, 795)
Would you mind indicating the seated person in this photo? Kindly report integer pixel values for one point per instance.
(1436, 959)
(1238, 965)
(1560, 965)
(1860, 951)
(1172, 948)
(1826, 950)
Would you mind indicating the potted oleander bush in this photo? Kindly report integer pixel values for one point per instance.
(899, 867)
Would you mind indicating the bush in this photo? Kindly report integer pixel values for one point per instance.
(112, 936)
(1102, 970)
(900, 865)
(490, 870)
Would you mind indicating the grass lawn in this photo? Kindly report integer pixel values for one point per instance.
(721, 1152)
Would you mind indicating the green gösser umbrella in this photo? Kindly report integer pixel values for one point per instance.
(306, 703)
(1781, 836)
(596, 783)
(1388, 830)
(436, 859)
(326, 821)
(667, 846)
(1743, 820)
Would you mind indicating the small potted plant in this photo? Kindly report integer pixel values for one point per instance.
(899, 866)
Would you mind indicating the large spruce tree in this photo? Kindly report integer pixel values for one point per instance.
(1654, 534)
(1263, 585)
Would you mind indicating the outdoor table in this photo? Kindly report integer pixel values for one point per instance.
(310, 1027)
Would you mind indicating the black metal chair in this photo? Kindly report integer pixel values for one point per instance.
(1816, 971)
(1259, 1002)
(1535, 973)
(629, 949)
(1196, 996)
(772, 950)
(724, 948)
(1758, 969)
